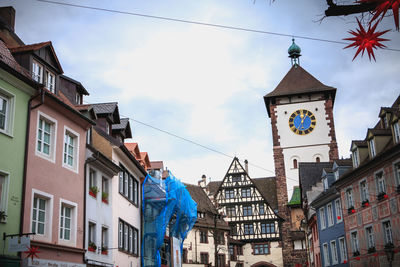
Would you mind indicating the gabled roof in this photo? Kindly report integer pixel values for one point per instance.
(378, 132)
(35, 47)
(310, 174)
(156, 165)
(297, 81)
(344, 162)
(107, 109)
(123, 127)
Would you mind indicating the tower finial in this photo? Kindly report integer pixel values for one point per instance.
(294, 53)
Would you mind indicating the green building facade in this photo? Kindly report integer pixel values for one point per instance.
(14, 98)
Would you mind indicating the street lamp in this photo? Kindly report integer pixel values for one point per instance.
(389, 254)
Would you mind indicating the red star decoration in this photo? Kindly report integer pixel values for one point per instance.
(366, 40)
(383, 6)
(32, 251)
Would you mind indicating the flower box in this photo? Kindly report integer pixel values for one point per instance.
(92, 249)
(371, 250)
(382, 196)
(365, 203)
(351, 210)
(104, 252)
(93, 190)
(104, 197)
(356, 253)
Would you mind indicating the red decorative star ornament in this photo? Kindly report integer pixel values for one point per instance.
(32, 251)
(366, 40)
(382, 6)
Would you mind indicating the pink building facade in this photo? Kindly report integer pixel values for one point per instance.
(54, 187)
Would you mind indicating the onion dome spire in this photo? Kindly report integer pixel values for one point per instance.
(294, 53)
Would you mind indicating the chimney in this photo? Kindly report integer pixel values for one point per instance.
(7, 16)
(246, 166)
(202, 183)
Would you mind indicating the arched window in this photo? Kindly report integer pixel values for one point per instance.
(317, 159)
(295, 163)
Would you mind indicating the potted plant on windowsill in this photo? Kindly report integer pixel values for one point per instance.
(93, 190)
(104, 250)
(92, 247)
(104, 197)
(356, 253)
(365, 203)
(351, 210)
(371, 250)
(381, 196)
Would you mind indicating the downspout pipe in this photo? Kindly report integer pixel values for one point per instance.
(28, 124)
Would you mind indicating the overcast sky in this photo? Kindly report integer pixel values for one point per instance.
(206, 84)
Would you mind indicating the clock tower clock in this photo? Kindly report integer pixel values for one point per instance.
(301, 112)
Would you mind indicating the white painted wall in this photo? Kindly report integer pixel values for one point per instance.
(99, 213)
(125, 210)
(304, 148)
(275, 257)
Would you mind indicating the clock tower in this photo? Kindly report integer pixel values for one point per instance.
(301, 112)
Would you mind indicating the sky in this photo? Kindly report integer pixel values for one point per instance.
(206, 84)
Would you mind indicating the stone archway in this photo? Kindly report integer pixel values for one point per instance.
(263, 264)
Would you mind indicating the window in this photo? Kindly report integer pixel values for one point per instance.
(78, 98)
(104, 238)
(338, 209)
(336, 173)
(3, 193)
(364, 191)
(233, 230)
(326, 255)
(261, 210)
(325, 182)
(220, 260)
(67, 221)
(354, 243)
(201, 215)
(185, 255)
(203, 258)
(220, 238)
(231, 211)
(349, 198)
(372, 148)
(387, 230)
(246, 192)
(104, 189)
(89, 136)
(260, 249)
(334, 252)
(50, 81)
(71, 148)
(37, 72)
(299, 244)
(322, 218)
(295, 164)
(317, 159)
(128, 186)
(330, 214)
(267, 228)
(356, 160)
(4, 112)
(381, 183)
(248, 229)
(370, 237)
(247, 210)
(203, 236)
(397, 172)
(39, 216)
(229, 193)
(128, 238)
(343, 250)
(92, 233)
(396, 129)
(46, 133)
(236, 178)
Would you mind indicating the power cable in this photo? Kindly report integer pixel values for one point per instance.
(203, 23)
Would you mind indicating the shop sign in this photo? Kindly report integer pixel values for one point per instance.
(19, 243)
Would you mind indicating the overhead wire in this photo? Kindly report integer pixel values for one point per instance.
(203, 23)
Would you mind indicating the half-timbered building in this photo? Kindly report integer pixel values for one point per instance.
(251, 212)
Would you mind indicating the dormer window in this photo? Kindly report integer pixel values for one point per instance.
(325, 181)
(385, 122)
(396, 129)
(372, 148)
(336, 175)
(50, 81)
(37, 72)
(356, 161)
(78, 99)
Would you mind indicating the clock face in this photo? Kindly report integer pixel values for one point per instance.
(302, 122)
